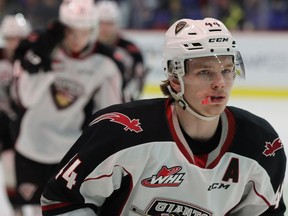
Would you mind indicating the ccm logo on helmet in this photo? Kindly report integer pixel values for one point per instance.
(212, 40)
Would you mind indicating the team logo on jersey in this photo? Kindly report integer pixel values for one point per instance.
(65, 92)
(27, 190)
(180, 26)
(166, 177)
(132, 125)
(166, 207)
(271, 148)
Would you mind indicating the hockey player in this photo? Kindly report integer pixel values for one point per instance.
(63, 75)
(187, 154)
(110, 34)
(13, 29)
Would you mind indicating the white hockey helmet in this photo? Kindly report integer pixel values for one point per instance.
(15, 26)
(188, 38)
(109, 11)
(79, 14)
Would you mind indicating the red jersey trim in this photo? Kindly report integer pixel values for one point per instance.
(201, 161)
(228, 140)
(169, 114)
(55, 206)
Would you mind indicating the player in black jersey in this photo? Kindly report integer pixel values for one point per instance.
(110, 34)
(186, 154)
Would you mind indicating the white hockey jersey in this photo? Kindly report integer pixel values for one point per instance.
(133, 160)
(59, 102)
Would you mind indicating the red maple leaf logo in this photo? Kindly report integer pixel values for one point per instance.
(132, 125)
(271, 148)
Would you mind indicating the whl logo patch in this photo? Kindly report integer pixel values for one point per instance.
(166, 177)
(271, 148)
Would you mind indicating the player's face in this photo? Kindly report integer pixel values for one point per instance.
(76, 39)
(208, 82)
(107, 31)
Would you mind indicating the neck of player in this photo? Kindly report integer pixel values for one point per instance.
(196, 128)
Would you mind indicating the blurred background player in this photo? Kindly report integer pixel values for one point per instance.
(63, 75)
(13, 29)
(110, 34)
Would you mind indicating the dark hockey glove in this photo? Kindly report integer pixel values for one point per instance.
(33, 62)
(35, 52)
(24, 47)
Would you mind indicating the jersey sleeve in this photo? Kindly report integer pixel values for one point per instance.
(84, 178)
(274, 161)
(260, 142)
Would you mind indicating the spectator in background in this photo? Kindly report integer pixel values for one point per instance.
(278, 16)
(229, 12)
(256, 14)
(167, 13)
(9, 7)
(13, 29)
(110, 34)
(171, 10)
(141, 13)
(40, 12)
(63, 75)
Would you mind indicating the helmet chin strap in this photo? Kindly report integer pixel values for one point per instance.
(177, 73)
(185, 106)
